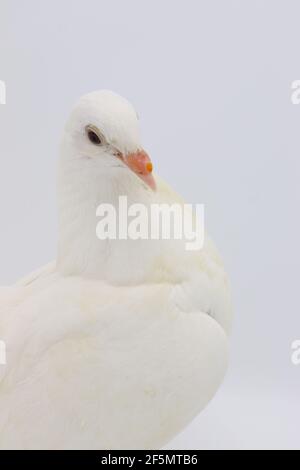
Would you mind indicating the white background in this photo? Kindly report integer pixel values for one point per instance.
(211, 81)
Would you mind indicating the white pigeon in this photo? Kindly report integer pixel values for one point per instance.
(118, 344)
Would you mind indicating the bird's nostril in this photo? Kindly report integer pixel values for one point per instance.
(119, 155)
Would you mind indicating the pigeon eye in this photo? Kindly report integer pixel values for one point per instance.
(93, 135)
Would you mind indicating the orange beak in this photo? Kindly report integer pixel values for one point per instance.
(140, 163)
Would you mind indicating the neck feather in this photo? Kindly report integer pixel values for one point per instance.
(81, 190)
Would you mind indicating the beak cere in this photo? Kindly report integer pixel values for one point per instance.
(140, 163)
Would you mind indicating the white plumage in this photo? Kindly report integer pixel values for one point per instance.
(119, 343)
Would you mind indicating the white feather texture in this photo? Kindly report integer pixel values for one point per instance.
(119, 343)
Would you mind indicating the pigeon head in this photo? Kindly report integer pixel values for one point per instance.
(103, 133)
(101, 159)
